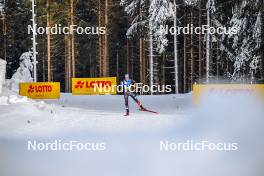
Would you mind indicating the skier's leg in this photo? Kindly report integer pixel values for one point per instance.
(134, 97)
(126, 102)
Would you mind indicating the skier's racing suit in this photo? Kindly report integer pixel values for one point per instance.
(127, 92)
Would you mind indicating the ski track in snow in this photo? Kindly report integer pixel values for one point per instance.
(91, 113)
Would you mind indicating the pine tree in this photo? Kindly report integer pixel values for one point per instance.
(242, 48)
(18, 40)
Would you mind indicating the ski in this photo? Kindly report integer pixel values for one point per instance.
(147, 110)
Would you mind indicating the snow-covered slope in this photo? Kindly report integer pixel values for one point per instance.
(133, 144)
(23, 117)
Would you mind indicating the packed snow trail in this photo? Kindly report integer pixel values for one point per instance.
(95, 113)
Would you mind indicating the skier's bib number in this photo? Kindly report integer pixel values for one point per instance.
(40, 90)
(94, 86)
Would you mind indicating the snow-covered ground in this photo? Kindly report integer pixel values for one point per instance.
(132, 144)
(23, 117)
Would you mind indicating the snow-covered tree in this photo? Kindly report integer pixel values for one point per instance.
(242, 48)
(191, 2)
(24, 72)
(210, 8)
(1, 6)
(149, 15)
(161, 11)
(138, 11)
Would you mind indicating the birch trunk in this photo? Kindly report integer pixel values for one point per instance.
(72, 39)
(175, 51)
(151, 75)
(48, 42)
(141, 59)
(185, 61)
(106, 47)
(201, 54)
(192, 56)
(127, 56)
(208, 43)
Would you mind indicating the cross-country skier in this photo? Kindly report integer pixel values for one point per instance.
(127, 83)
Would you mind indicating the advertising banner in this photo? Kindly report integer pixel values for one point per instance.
(40, 90)
(94, 86)
(199, 90)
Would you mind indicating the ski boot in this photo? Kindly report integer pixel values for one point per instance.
(127, 112)
(140, 106)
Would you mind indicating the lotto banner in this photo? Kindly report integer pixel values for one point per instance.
(199, 90)
(94, 86)
(40, 90)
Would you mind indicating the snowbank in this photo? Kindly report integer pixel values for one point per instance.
(3, 100)
(22, 74)
(9, 97)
